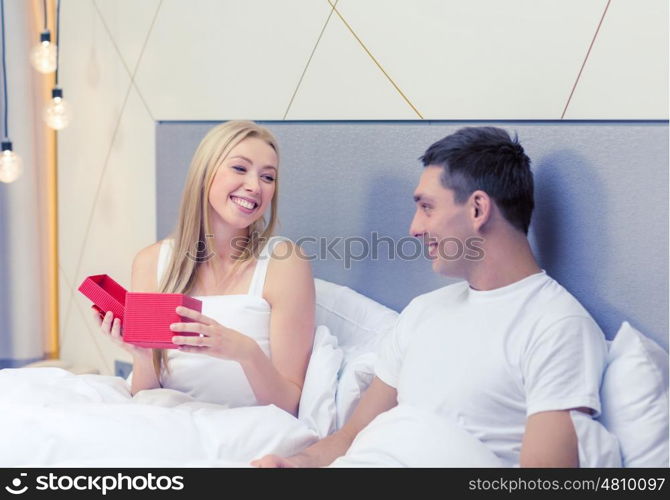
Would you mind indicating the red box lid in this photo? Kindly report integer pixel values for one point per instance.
(106, 294)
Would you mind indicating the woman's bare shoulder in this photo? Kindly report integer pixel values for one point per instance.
(288, 268)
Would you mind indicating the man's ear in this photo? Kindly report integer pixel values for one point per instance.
(481, 206)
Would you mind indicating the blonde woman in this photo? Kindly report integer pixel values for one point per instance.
(257, 323)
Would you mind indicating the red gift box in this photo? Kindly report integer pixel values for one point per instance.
(145, 317)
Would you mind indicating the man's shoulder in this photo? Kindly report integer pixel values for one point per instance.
(554, 309)
(556, 301)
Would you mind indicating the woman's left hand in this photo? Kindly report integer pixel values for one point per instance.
(214, 339)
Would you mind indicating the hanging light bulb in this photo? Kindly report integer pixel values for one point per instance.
(43, 55)
(57, 113)
(10, 163)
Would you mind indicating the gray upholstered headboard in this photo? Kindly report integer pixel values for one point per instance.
(600, 226)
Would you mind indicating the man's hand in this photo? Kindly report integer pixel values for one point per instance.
(274, 461)
(377, 399)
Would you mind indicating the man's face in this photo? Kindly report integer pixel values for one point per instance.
(442, 224)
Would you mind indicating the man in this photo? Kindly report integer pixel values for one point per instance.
(507, 353)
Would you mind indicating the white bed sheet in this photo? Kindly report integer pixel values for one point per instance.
(50, 417)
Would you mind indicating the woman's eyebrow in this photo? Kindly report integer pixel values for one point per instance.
(242, 157)
(249, 161)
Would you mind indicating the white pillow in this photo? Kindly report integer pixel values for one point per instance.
(355, 378)
(597, 446)
(317, 402)
(634, 396)
(359, 323)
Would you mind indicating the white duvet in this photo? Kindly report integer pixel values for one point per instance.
(406, 436)
(50, 417)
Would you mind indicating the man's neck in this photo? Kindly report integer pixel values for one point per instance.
(506, 261)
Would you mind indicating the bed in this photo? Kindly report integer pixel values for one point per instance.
(59, 419)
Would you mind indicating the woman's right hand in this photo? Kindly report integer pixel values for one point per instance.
(111, 327)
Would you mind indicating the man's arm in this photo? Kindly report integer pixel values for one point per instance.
(377, 399)
(563, 366)
(550, 440)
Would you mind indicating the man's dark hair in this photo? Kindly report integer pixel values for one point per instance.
(487, 159)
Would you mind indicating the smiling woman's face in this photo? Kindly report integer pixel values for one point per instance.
(244, 183)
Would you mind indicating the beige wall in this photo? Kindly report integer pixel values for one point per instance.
(128, 63)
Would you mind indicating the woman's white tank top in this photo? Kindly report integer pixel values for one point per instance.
(216, 380)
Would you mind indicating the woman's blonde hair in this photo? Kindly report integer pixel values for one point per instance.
(190, 248)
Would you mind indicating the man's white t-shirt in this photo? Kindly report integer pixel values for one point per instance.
(489, 359)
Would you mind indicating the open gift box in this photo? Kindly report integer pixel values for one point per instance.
(145, 317)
